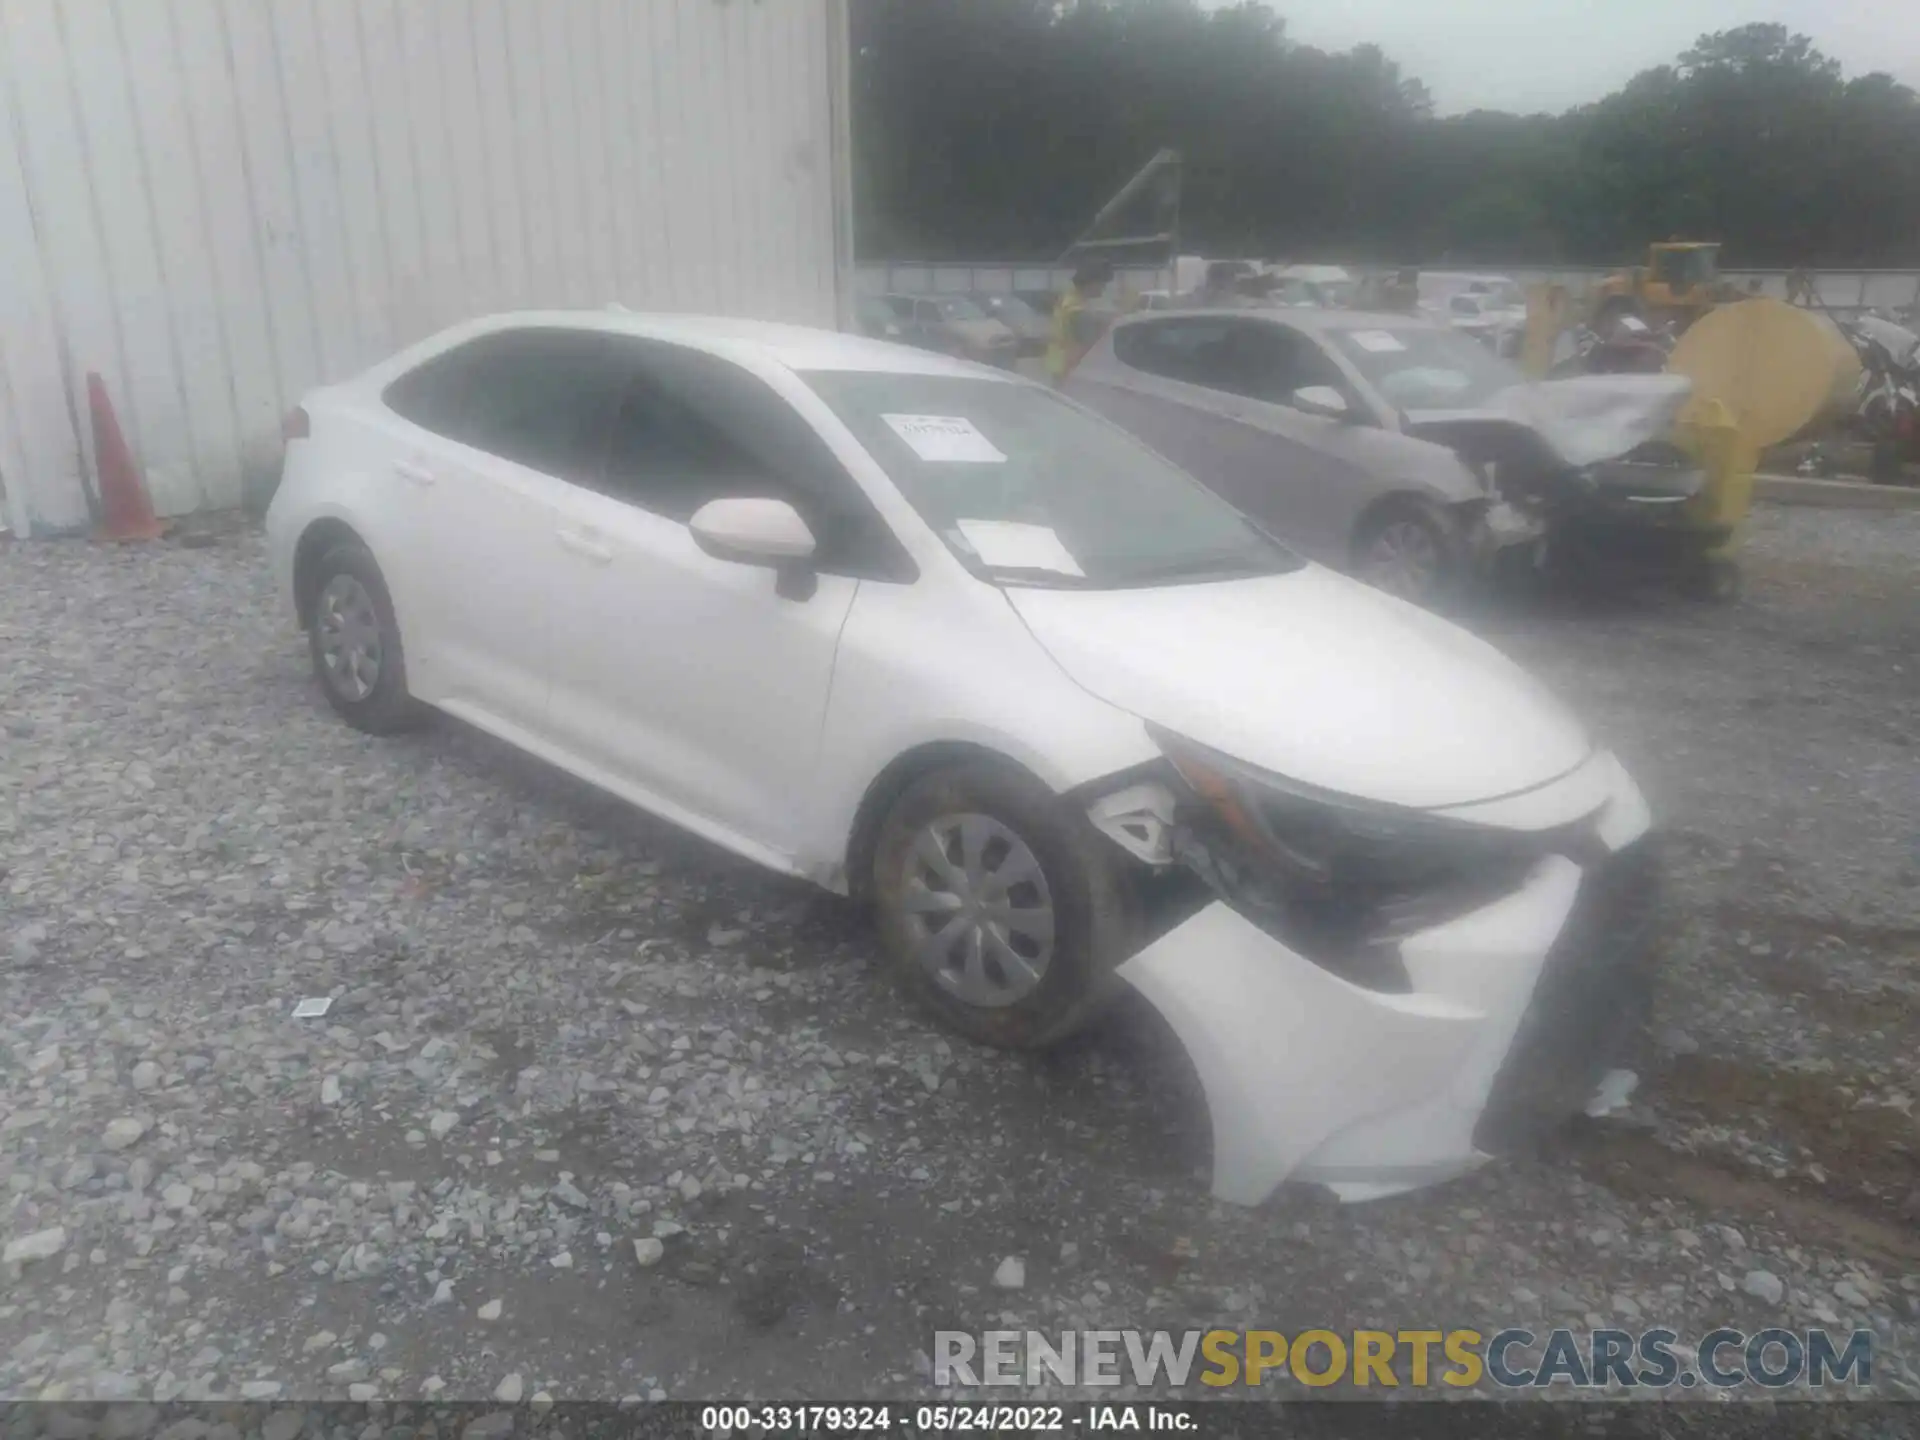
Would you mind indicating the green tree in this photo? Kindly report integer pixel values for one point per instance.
(996, 128)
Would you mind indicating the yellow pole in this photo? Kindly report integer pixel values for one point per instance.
(1546, 318)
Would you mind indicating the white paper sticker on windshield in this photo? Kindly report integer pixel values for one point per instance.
(1381, 342)
(945, 439)
(1012, 545)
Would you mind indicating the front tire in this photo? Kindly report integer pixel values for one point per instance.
(354, 642)
(1409, 550)
(1001, 913)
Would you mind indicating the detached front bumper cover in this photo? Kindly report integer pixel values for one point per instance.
(1510, 1016)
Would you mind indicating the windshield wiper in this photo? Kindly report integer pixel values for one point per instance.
(1196, 567)
(1037, 576)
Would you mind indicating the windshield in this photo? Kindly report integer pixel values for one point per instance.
(1415, 368)
(958, 307)
(1685, 268)
(1029, 489)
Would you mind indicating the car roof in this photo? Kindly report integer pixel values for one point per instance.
(797, 347)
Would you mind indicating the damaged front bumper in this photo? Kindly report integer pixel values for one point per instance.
(1513, 1016)
(1502, 528)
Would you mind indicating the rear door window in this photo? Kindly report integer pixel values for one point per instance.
(540, 398)
(1193, 350)
(1254, 358)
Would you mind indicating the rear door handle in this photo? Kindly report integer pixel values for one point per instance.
(585, 545)
(413, 471)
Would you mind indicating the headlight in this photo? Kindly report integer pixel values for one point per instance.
(1331, 875)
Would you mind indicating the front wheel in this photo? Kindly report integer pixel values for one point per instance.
(1408, 551)
(1001, 913)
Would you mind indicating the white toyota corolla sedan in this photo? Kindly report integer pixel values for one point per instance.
(930, 635)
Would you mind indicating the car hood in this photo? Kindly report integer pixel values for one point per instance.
(1317, 678)
(1573, 422)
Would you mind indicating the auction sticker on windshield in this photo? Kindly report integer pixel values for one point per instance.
(945, 439)
(1016, 545)
(1381, 342)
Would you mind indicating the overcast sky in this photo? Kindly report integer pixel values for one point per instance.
(1530, 55)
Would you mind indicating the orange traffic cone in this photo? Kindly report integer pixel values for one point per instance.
(125, 511)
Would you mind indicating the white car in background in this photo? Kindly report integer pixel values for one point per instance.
(1491, 308)
(934, 636)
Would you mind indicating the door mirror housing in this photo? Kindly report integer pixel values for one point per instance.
(1324, 401)
(753, 532)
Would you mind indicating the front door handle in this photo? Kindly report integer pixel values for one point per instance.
(413, 471)
(585, 545)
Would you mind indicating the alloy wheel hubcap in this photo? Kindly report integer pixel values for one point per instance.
(978, 910)
(1403, 559)
(349, 630)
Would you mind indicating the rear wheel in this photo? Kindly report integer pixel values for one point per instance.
(1408, 550)
(999, 910)
(355, 643)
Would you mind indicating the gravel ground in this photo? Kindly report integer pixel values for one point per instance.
(561, 1033)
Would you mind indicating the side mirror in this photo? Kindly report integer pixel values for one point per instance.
(752, 532)
(1321, 400)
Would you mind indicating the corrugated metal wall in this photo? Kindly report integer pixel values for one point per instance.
(217, 204)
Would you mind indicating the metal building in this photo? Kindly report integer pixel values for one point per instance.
(216, 204)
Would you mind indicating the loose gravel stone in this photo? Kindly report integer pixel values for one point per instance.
(41, 1245)
(125, 1131)
(507, 1392)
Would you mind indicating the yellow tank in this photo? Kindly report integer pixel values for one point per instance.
(1775, 367)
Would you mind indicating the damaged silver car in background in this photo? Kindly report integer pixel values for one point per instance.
(1403, 452)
